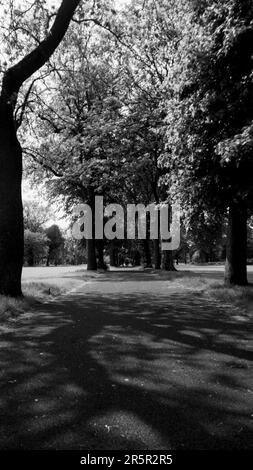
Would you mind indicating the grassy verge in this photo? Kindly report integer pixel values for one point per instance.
(40, 290)
(240, 298)
(11, 308)
(34, 292)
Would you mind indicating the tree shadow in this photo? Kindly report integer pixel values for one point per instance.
(127, 371)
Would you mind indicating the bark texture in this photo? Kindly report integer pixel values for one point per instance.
(157, 254)
(91, 255)
(11, 211)
(236, 256)
(168, 261)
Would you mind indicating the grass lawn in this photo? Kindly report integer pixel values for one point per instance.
(33, 292)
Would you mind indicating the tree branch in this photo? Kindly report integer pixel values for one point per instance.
(19, 119)
(39, 160)
(15, 76)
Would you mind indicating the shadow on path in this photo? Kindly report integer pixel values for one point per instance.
(142, 370)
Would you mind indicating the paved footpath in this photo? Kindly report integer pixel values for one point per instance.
(127, 361)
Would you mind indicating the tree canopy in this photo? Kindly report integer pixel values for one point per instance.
(147, 103)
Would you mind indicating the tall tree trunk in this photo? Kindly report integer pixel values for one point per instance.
(11, 210)
(91, 255)
(100, 253)
(168, 261)
(91, 244)
(168, 255)
(236, 256)
(113, 255)
(147, 253)
(157, 246)
(157, 254)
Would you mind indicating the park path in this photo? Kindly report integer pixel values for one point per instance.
(127, 361)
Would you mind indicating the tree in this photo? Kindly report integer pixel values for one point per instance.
(149, 38)
(101, 131)
(11, 216)
(74, 251)
(210, 120)
(205, 235)
(55, 244)
(77, 151)
(250, 240)
(35, 216)
(35, 247)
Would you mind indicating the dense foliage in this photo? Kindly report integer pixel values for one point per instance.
(147, 103)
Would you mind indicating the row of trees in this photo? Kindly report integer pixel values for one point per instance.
(152, 103)
(45, 245)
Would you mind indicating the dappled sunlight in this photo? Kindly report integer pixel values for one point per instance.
(126, 370)
(118, 426)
